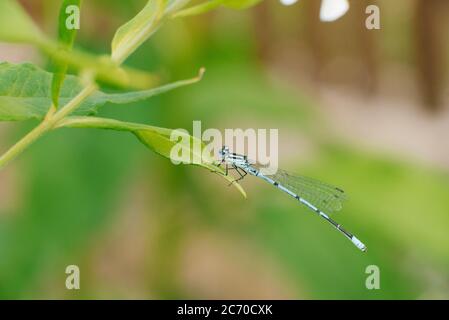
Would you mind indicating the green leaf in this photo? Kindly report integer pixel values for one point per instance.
(199, 9)
(134, 33)
(175, 5)
(66, 36)
(134, 96)
(16, 25)
(160, 140)
(104, 68)
(212, 4)
(66, 39)
(25, 93)
(240, 4)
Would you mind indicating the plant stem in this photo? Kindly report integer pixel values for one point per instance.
(20, 146)
(45, 126)
(72, 105)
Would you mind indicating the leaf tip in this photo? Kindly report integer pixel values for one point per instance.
(201, 73)
(241, 190)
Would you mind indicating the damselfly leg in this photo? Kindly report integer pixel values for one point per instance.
(242, 173)
(229, 167)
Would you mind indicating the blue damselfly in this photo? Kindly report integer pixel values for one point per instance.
(316, 195)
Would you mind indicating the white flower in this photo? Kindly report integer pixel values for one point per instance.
(331, 10)
(288, 2)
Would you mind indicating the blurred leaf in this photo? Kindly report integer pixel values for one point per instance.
(105, 69)
(210, 5)
(25, 93)
(66, 39)
(199, 9)
(159, 140)
(135, 32)
(16, 25)
(240, 4)
(174, 5)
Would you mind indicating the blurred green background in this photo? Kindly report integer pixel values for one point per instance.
(365, 110)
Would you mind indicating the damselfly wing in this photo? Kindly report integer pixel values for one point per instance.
(324, 196)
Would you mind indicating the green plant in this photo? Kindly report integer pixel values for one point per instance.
(58, 100)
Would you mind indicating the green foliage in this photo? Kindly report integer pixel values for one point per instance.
(25, 31)
(25, 93)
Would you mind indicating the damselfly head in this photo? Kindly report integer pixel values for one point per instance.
(224, 152)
